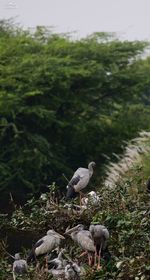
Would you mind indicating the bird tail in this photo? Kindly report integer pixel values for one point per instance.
(31, 257)
(70, 193)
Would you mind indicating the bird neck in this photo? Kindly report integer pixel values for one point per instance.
(90, 170)
(60, 256)
(74, 235)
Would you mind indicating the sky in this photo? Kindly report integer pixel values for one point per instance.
(130, 19)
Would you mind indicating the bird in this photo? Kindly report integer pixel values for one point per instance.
(74, 208)
(57, 265)
(72, 271)
(19, 266)
(92, 199)
(64, 269)
(79, 181)
(100, 236)
(59, 262)
(84, 239)
(45, 245)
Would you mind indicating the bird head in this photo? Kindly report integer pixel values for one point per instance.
(74, 229)
(17, 256)
(92, 195)
(91, 164)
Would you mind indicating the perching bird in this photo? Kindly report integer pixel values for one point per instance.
(46, 244)
(91, 199)
(100, 236)
(19, 266)
(79, 181)
(64, 269)
(57, 263)
(84, 239)
(72, 271)
(74, 208)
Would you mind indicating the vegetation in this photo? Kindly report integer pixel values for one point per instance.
(65, 103)
(125, 213)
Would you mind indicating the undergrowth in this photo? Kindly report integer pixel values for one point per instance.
(124, 210)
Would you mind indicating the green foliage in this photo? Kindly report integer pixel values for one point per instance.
(64, 103)
(124, 210)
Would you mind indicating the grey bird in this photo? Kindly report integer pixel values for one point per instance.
(64, 269)
(79, 181)
(46, 244)
(59, 262)
(19, 266)
(84, 239)
(100, 236)
(72, 271)
(57, 267)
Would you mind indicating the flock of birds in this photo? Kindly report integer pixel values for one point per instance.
(93, 241)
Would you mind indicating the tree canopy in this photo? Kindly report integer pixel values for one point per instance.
(65, 102)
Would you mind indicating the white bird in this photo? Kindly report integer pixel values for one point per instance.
(59, 262)
(72, 271)
(91, 199)
(19, 266)
(57, 266)
(79, 180)
(84, 239)
(100, 236)
(46, 244)
(64, 269)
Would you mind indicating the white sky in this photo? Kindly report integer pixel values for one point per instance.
(130, 19)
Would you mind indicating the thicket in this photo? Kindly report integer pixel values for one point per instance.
(64, 103)
(123, 209)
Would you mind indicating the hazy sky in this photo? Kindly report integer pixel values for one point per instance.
(129, 18)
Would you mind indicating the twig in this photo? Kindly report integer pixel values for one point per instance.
(65, 177)
(12, 200)
(3, 247)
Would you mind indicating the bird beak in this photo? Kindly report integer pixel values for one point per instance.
(68, 231)
(60, 236)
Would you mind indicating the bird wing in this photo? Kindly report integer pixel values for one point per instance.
(54, 263)
(85, 241)
(74, 181)
(38, 243)
(88, 233)
(99, 231)
(106, 233)
(100, 235)
(81, 172)
(20, 266)
(45, 245)
(83, 175)
(32, 253)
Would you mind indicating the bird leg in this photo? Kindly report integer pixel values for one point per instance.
(89, 260)
(99, 258)
(46, 263)
(95, 256)
(83, 254)
(14, 276)
(37, 266)
(81, 195)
